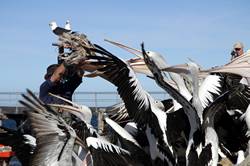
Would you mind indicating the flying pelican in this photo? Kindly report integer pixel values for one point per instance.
(55, 139)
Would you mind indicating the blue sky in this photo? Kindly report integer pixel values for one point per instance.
(201, 30)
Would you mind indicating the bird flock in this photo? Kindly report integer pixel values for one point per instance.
(205, 120)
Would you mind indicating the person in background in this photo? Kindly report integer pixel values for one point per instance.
(238, 50)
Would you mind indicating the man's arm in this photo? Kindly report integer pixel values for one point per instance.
(49, 84)
(58, 73)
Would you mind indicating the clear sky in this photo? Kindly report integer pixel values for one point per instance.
(201, 30)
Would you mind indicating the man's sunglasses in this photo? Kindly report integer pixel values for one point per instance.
(237, 49)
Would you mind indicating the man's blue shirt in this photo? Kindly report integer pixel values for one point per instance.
(65, 89)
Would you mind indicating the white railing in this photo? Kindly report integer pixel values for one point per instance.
(91, 99)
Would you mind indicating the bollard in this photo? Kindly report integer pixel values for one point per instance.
(100, 121)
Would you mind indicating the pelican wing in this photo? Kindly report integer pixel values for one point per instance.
(210, 88)
(54, 137)
(118, 113)
(129, 143)
(139, 104)
(84, 130)
(105, 153)
(239, 66)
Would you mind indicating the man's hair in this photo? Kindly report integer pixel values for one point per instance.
(50, 70)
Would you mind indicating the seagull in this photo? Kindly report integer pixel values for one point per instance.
(58, 30)
(67, 25)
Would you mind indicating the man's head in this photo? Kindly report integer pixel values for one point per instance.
(238, 48)
(50, 71)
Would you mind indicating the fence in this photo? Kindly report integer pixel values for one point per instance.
(91, 99)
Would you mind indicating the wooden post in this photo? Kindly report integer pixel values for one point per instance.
(100, 122)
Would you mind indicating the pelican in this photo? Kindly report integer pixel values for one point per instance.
(129, 143)
(140, 105)
(215, 85)
(208, 154)
(189, 110)
(55, 138)
(81, 111)
(105, 153)
(204, 94)
(196, 154)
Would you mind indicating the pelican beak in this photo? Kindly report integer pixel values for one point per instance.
(203, 74)
(179, 69)
(131, 50)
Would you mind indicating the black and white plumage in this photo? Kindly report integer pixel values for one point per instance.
(55, 139)
(204, 94)
(58, 30)
(105, 153)
(194, 121)
(207, 142)
(128, 142)
(140, 105)
(118, 113)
